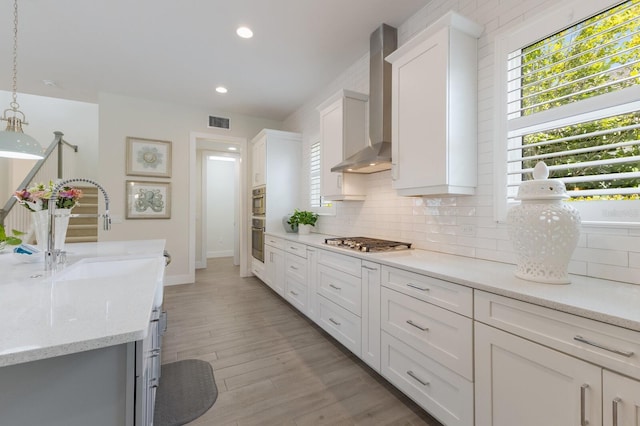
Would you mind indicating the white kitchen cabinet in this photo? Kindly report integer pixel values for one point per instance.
(620, 400)
(427, 342)
(522, 383)
(275, 163)
(434, 110)
(343, 132)
(295, 275)
(572, 367)
(258, 162)
(371, 314)
(274, 264)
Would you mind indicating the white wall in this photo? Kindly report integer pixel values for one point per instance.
(435, 223)
(221, 214)
(122, 116)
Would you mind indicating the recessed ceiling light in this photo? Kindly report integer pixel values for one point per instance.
(221, 89)
(244, 32)
(233, 148)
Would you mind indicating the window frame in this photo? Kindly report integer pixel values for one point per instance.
(544, 25)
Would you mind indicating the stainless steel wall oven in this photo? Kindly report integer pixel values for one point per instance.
(259, 201)
(257, 238)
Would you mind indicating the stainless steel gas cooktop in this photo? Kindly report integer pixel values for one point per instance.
(366, 244)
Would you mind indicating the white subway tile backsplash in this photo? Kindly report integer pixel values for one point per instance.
(435, 223)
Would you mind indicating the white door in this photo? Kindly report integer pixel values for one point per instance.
(525, 384)
(620, 400)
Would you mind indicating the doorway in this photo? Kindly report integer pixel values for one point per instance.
(214, 180)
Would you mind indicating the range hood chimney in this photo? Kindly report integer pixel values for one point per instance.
(377, 156)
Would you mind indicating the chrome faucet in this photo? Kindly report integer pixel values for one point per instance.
(51, 255)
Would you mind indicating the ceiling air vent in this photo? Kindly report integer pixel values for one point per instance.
(219, 122)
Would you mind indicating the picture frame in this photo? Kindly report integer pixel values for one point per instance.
(148, 200)
(148, 157)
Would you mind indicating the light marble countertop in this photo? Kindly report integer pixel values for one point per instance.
(607, 301)
(104, 296)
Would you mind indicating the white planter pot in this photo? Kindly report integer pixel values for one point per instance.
(304, 229)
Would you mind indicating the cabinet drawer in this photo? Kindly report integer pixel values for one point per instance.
(340, 262)
(274, 242)
(454, 297)
(295, 292)
(612, 347)
(440, 391)
(295, 266)
(440, 334)
(295, 248)
(344, 326)
(340, 288)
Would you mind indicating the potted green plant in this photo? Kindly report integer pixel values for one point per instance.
(11, 240)
(305, 220)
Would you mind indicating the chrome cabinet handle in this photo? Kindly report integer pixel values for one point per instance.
(335, 287)
(294, 268)
(417, 287)
(369, 268)
(627, 354)
(294, 293)
(334, 321)
(410, 322)
(614, 409)
(293, 248)
(416, 378)
(583, 396)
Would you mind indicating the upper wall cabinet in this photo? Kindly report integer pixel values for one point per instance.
(343, 132)
(434, 110)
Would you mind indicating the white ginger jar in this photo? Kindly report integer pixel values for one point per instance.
(543, 229)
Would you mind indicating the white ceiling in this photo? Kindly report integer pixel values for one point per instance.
(180, 50)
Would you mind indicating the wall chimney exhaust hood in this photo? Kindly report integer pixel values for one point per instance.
(377, 156)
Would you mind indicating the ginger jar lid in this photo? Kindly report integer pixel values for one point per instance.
(542, 188)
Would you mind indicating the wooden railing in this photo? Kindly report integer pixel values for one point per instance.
(51, 167)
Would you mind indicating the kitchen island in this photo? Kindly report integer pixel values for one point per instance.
(80, 345)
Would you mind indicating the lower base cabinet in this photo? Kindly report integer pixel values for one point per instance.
(343, 325)
(526, 384)
(621, 400)
(443, 393)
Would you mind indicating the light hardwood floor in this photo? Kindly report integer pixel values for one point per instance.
(272, 365)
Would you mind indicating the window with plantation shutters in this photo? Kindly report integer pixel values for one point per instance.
(314, 168)
(318, 205)
(572, 100)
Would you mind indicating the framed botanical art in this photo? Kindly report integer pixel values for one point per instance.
(148, 200)
(148, 157)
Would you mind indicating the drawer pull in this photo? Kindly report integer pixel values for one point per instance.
(410, 322)
(334, 321)
(336, 287)
(583, 397)
(412, 285)
(294, 293)
(293, 248)
(627, 354)
(416, 378)
(369, 268)
(294, 268)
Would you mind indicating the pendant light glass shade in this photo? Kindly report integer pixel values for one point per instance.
(15, 144)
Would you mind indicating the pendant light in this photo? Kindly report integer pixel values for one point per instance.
(13, 142)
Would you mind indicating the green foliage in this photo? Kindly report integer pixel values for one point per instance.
(12, 239)
(574, 65)
(302, 218)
